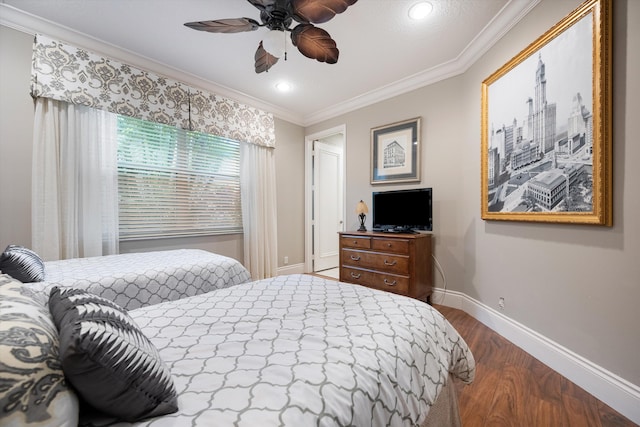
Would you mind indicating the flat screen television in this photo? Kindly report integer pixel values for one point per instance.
(402, 210)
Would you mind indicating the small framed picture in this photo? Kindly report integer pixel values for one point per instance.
(395, 152)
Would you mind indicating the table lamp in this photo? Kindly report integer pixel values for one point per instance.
(361, 210)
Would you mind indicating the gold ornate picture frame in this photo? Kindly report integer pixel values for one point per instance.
(395, 152)
(547, 126)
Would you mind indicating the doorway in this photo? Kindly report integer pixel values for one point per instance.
(324, 199)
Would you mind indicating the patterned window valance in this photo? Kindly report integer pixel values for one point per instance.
(75, 75)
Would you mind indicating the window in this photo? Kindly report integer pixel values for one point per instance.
(173, 182)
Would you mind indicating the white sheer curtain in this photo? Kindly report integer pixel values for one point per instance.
(74, 189)
(258, 196)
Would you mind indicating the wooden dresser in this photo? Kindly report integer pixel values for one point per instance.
(399, 263)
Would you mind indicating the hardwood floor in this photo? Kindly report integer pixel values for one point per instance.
(512, 388)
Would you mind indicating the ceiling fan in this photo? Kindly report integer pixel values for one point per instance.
(278, 15)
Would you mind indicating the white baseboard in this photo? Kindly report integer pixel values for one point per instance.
(291, 269)
(611, 389)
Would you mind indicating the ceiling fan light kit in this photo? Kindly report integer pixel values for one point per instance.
(278, 16)
(275, 42)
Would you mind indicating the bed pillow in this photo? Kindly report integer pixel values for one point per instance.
(22, 264)
(106, 357)
(33, 391)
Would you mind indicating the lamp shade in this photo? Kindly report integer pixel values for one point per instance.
(362, 208)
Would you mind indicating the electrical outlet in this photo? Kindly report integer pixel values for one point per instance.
(286, 260)
(501, 303)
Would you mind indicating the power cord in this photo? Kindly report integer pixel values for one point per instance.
(444, 279)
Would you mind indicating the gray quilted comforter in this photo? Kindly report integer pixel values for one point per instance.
(300, 350)
(140, 279)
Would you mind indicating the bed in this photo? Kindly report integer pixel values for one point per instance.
(139, 279)
(300, 350)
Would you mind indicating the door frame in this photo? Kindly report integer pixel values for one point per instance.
(308, 179)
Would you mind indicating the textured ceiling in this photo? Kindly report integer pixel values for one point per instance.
(382, 52)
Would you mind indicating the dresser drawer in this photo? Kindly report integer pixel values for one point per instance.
(397, 246)
(355, 242)
(381, 281)
(387, 263)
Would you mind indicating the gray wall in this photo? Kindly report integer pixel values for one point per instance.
(16, 133)
(441, 169)
(577, 285)
(290, 191)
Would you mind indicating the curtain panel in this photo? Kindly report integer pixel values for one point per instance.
(259, 211)
(67, 73)
(75, 181)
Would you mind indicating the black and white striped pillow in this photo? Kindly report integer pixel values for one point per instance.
(107, 358)
(22, 264)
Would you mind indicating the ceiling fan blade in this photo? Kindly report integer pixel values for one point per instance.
(235, 25)
(318, 11)
(315, 43)
(262, 4)
(264, 60)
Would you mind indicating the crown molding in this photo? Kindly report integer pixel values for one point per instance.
(31, 24)
(506, 19)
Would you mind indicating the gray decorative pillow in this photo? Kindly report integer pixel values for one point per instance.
(33, 391)
(22, 264)
(109, 361)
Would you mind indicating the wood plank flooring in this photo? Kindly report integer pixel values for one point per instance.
(512, 388)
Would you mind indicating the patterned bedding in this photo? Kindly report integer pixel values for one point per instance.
(140, 279)
(300, 350)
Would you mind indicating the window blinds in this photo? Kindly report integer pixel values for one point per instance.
(173, 182)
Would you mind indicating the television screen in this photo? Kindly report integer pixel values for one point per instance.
(402, 210)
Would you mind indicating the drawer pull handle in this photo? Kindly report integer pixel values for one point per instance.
(388, 283)
(388, 245)
(355, 242)
(390, 263)
(355, 276)
(355, 257)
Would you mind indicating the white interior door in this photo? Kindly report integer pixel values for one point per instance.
(327, 204)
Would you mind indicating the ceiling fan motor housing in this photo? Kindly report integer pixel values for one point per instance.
(277, 16)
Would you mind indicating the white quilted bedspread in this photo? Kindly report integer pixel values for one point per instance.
(300, 350)
(139, 279)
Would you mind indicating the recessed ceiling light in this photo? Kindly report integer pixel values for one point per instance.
(283, 86)
(420, 10)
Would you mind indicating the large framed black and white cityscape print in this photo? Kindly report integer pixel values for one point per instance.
(546, 126)
(395, 152)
